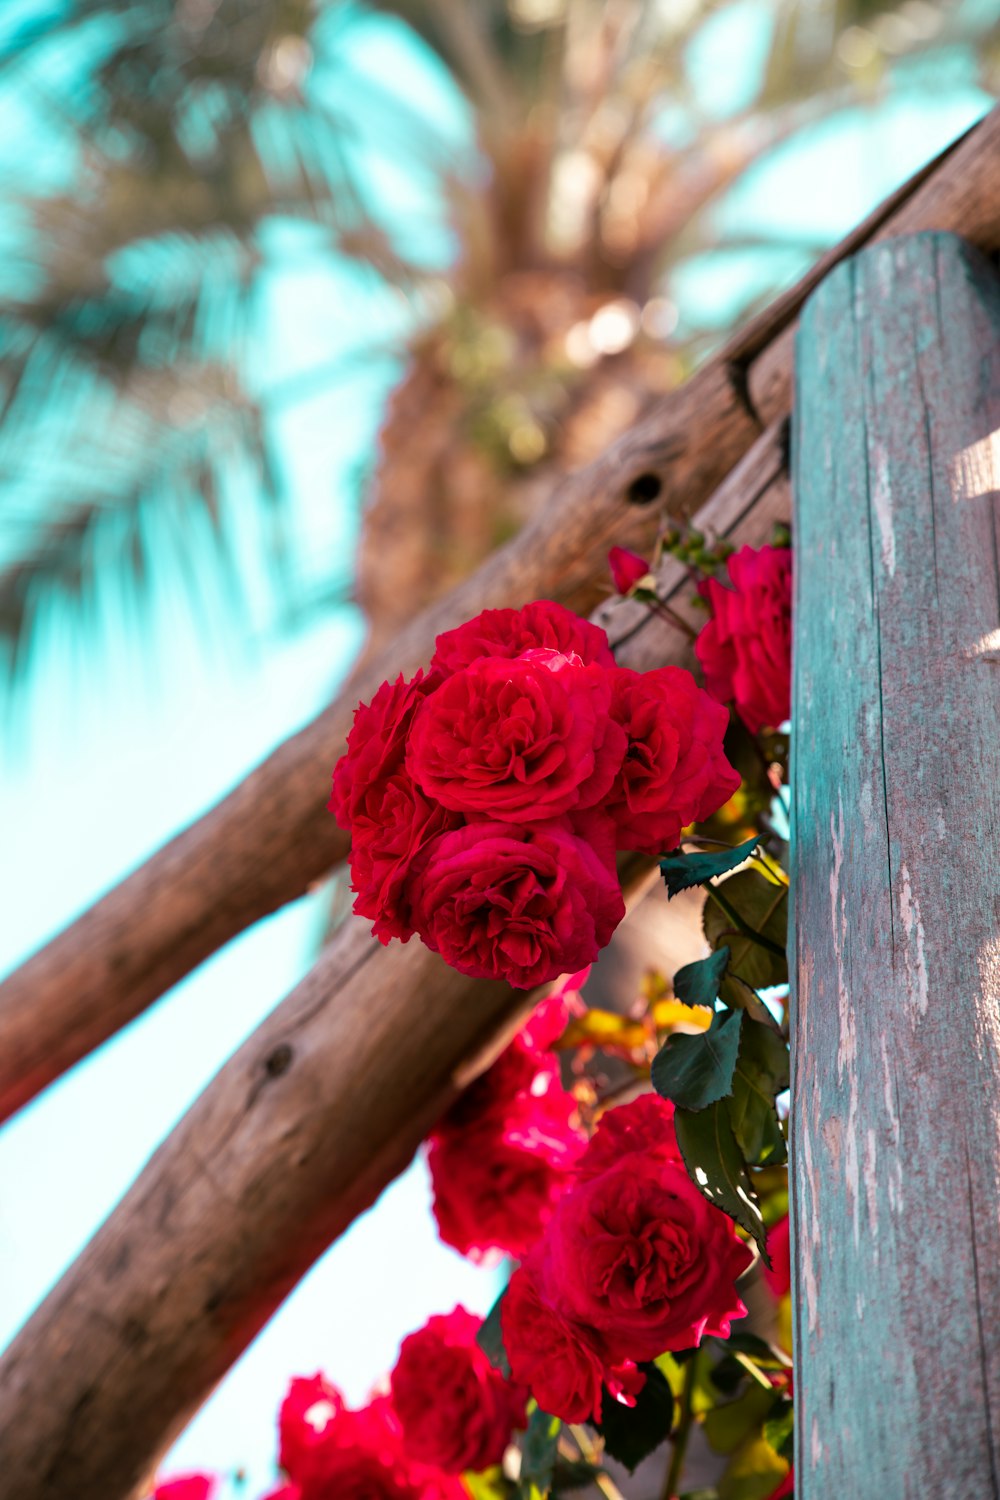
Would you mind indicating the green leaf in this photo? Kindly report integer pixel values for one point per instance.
(490, 1339)
(695, 1071)
(490, 1485)
(538, 1456)
(764, 908)
(632, 1433)
(779, 1429)
(715, 1163)
(753, 1472)
(761, 1073)
(698, 983)
(681, 871)
(728, 1426)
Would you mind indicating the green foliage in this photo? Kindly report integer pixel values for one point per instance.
(696, 1071)
(763, 908)
(729, 1425)
(633, 1433)
(490, 1485)
(538, 1456)
(779, 1429)
(715, 1162)
(761, 1072)
(754, 1470)
(490, 1339)
(681, 871)
(698, 983)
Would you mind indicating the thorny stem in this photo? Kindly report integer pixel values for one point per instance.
(672, 1482)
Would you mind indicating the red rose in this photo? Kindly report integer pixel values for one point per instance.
(352, 1455)
(500, 1158)
(525, 740)
(551, 1016)
(745, 650)
(284, 1492)
(675, 771)
(383, 850)
(305, 1426)
(644, 1125)
(375, 747)
(520, 1074)
(186, 1487)
(778, 1275)
(509, 632)
(555, 1358)
(642, 1258)
(456, 1411)
(627, 569)
(521, 904)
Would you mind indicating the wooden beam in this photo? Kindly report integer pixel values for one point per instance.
(896, 845)
(295, 1136)
(270, 840)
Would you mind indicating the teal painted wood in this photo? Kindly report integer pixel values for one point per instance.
(896, 850)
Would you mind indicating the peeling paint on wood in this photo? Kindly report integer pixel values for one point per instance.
(896, 817)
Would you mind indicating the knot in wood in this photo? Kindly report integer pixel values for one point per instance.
(279, 1061)
(644, 489)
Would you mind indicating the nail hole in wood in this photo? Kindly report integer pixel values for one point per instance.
(644, 489)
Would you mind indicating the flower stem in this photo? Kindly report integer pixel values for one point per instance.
(672, 1482)
(588, 1453)
(671, 616)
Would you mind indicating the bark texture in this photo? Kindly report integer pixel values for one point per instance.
(896, 843)
(270, 839)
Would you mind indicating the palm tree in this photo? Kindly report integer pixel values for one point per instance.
(175, 131)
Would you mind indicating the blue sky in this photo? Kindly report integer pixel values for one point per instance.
(120, 743)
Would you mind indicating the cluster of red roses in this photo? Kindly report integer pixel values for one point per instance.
(448, 1411)
(501, 1156)
(486, 798)
(633, 1262)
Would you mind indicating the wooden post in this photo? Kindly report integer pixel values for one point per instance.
(896, 846)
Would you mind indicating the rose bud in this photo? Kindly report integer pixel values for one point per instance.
(628, 569)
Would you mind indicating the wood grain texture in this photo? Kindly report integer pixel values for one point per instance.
(896, 846)
(270, 840)
(295, 1137)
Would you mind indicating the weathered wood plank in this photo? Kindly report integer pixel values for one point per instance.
(896, 847)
